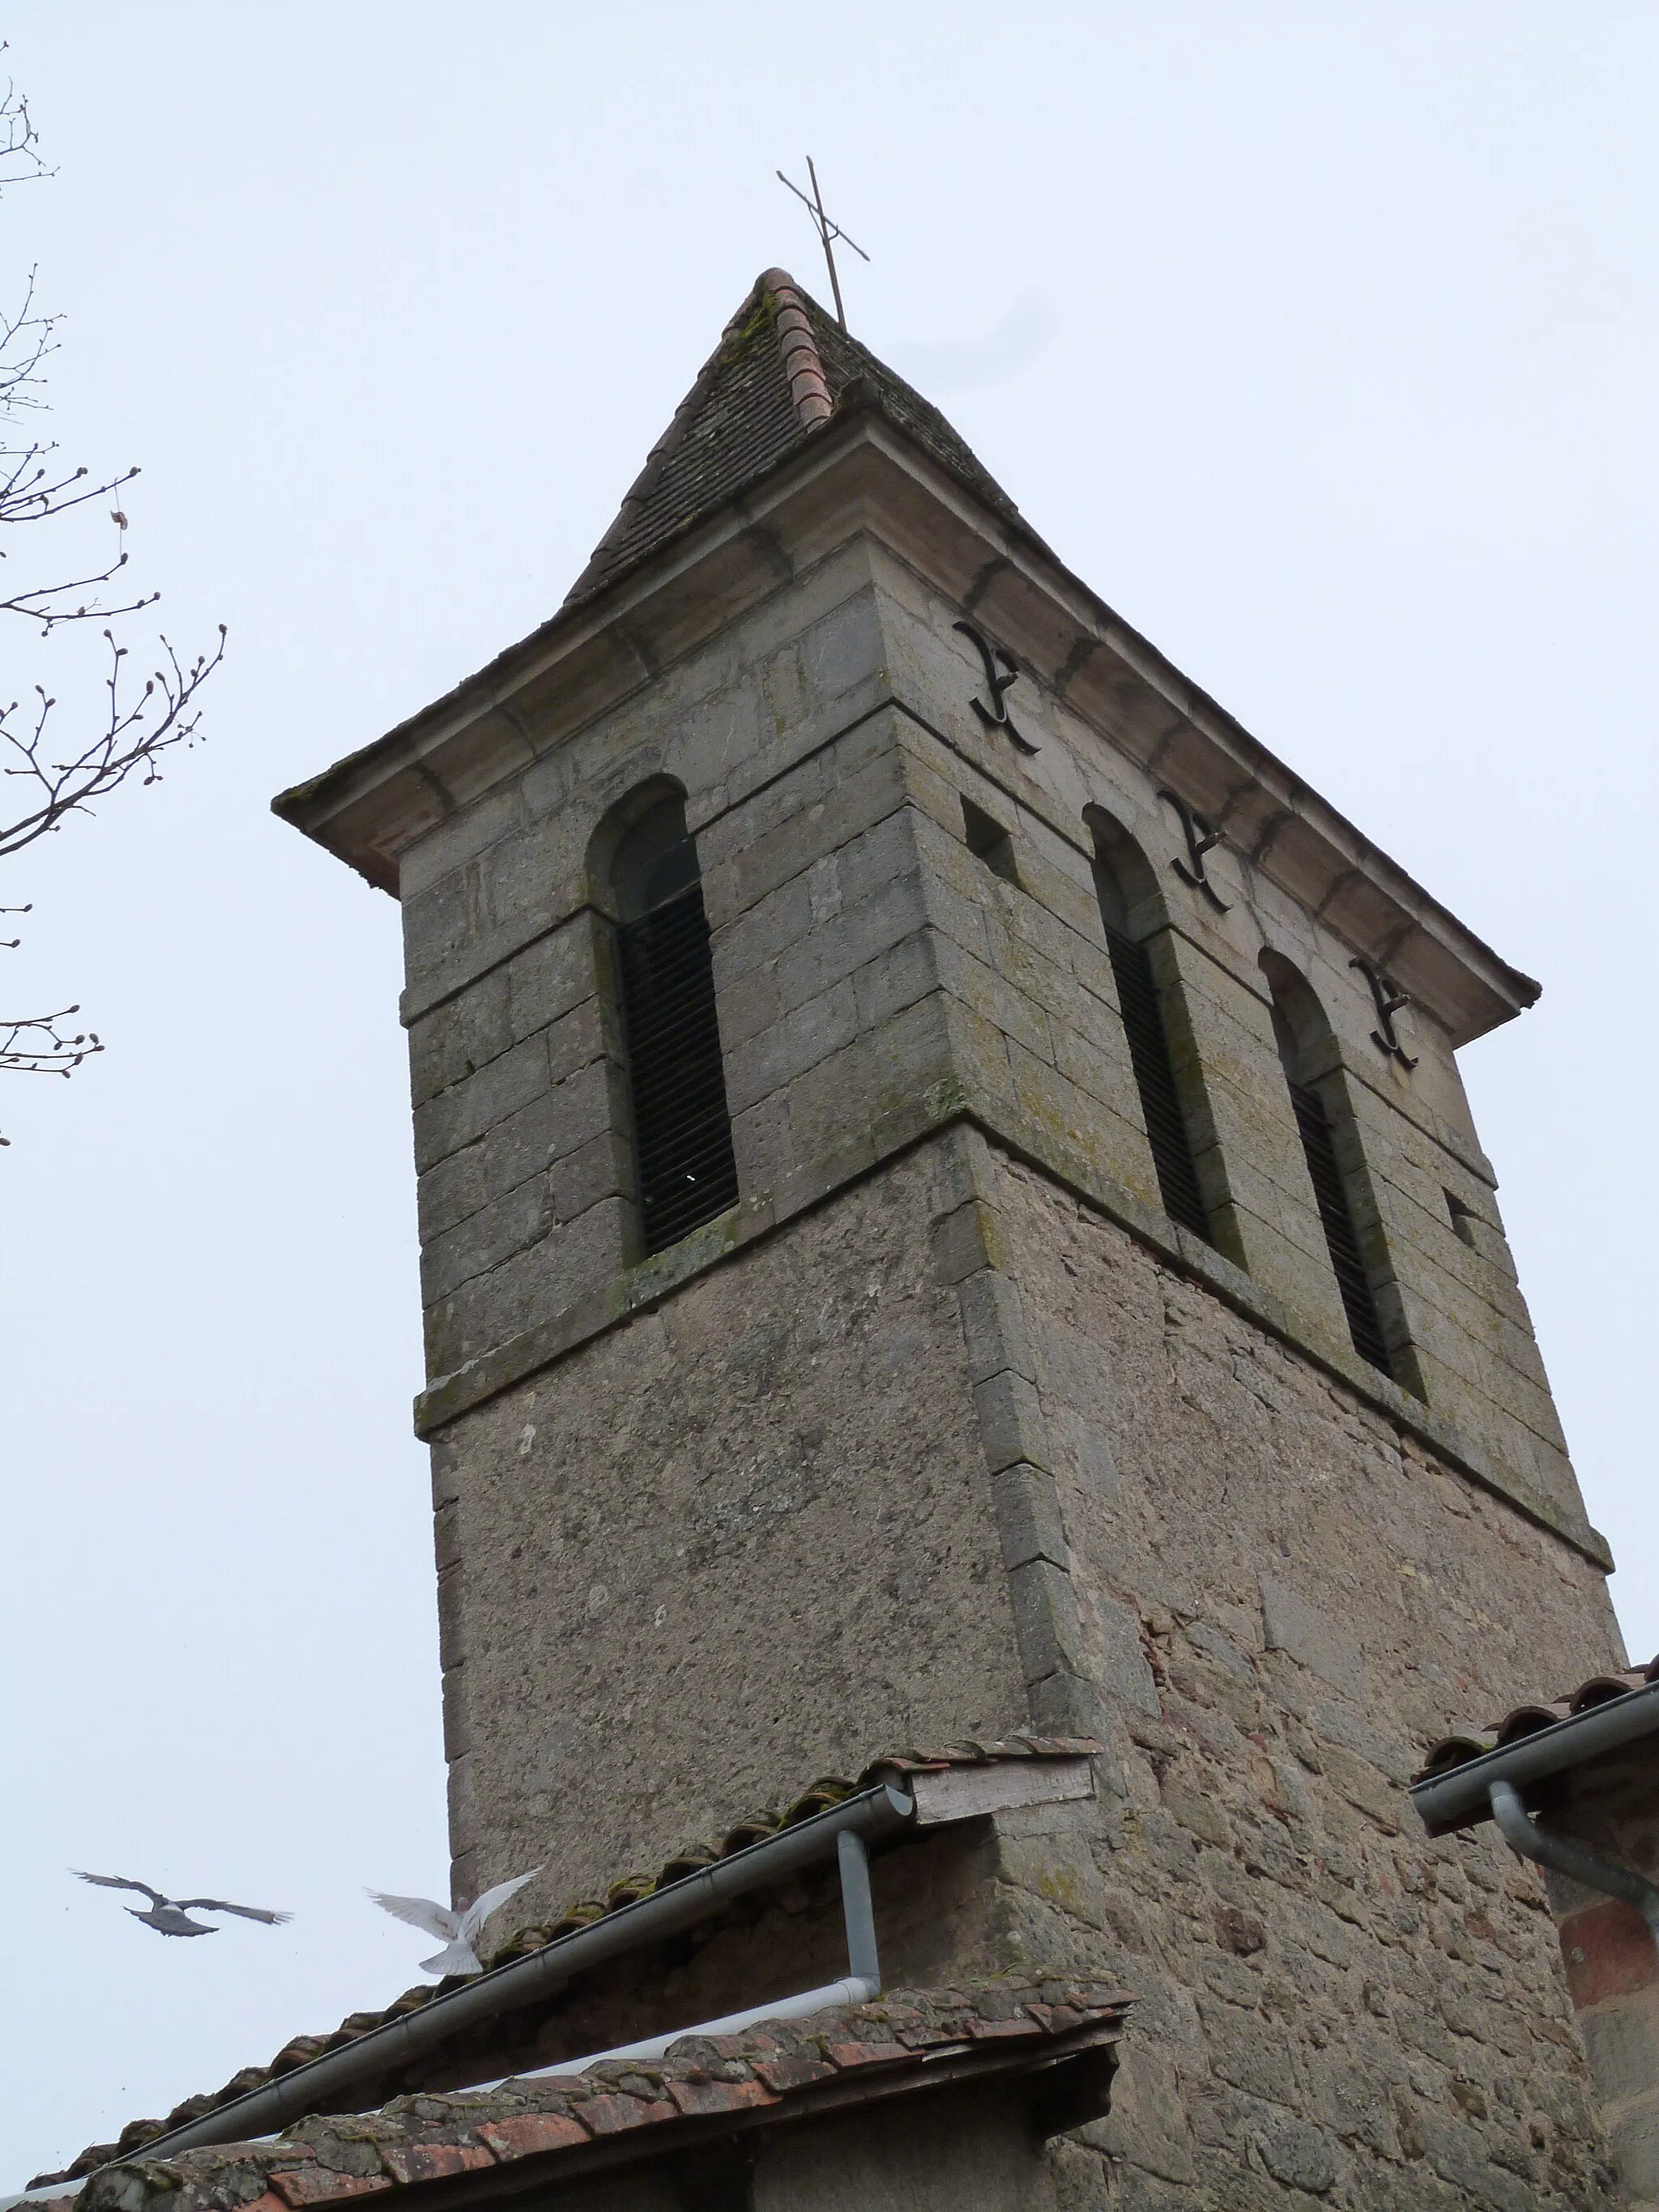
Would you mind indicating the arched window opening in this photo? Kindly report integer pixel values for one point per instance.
(1303, 1035)
(665, 982)
(1124, 887)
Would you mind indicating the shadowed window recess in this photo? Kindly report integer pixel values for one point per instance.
(989, 841)
(1330, 1147)
(1130, 913)
(1463, 1219)
(666, 987)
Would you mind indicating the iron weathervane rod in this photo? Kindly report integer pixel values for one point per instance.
(827, 233)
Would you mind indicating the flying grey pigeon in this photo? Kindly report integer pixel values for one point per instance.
(170, 1915)
(460, 1931)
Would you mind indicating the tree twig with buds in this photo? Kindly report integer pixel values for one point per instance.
(56, 759)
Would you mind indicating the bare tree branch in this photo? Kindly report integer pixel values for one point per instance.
(58, 787)
(20, 162)
(34, 1045)
(25, 339)
(55, 759)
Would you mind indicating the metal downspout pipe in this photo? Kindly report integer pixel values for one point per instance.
(1565, 1856)
(862, 1982)
(863, 1963)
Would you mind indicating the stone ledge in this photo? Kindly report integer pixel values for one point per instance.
(639, 1288)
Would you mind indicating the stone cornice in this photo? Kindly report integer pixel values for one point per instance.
(862, 474)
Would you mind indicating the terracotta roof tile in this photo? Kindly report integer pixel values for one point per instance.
(418, 2139)
(316, 2185)
(526, 2135)
(819, 1795)
(1464, 1744)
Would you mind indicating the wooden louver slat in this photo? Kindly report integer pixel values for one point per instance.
(681, 1128)
(1341, 1237)
(1154, 1074)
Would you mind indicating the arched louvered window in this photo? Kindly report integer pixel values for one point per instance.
(666, 983)
(1304, 1038)
(1124, 885)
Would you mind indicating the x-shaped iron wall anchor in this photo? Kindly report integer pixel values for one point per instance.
(1202, 836)
(1000, 672)
(1388, 998)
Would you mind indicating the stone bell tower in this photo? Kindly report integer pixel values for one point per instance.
(948, 1208)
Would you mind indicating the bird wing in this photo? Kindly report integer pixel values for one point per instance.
(478, 1911)
(120, 1881)
(218, 1904)
(422, 1912)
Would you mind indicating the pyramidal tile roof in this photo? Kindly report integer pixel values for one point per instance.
(782, 370)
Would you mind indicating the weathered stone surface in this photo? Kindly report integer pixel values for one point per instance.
(947, 1429)
(669, 1546)
(834, 855)
(1299, 2156)
(697, 1566)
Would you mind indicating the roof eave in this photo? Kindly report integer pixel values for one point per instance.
(375, 803)
(1460, 1796)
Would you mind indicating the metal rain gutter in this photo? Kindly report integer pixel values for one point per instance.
(1569, 1857)
(1462, 1796)
(872, 1813)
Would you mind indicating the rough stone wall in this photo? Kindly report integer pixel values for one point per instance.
(957, 1451)
(743, 1540)
(1280, 1599)
(1611, 1963)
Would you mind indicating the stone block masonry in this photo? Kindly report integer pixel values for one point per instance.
(947, 1430)
(1280, 1599)
(960, 1454)
(874, 973)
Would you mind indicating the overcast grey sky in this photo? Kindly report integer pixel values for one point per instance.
(1319, 338)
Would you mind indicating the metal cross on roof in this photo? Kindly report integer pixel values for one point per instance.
(827, 233)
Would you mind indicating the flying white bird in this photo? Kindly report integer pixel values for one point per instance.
(459, 1931)
(170, 1915)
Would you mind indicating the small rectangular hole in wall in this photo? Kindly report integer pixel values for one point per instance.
(989, 840)
(1463, 1219)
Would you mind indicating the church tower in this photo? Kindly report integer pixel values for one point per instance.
(948, 1212)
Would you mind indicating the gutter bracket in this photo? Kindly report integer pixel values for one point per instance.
(1573, 1859)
